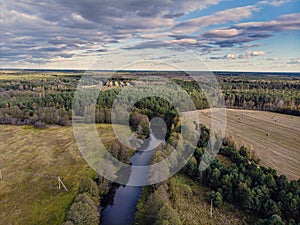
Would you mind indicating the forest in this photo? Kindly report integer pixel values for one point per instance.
(41, 99)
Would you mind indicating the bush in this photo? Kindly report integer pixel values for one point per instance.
(167, 216)
(83, 214)
(39, 125)
(151, 209)
(87, 185)
(84, 198)
(139, 123)
(64, 121)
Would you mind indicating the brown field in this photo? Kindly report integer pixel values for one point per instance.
(30, 161)
(274, 137)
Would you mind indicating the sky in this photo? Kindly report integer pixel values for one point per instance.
(151, 34)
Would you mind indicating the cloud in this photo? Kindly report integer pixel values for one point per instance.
(188, 41)
(272, 59)
(224, 33)
(149, 44)
(173, 15)
(241, 33)
(246, 55)
(255, 53)
(41, 31)
(231, 56)
(65, 55)
(275, 3)
(156, 36)
(283, 23)
(294, 61)
(135, 14)
(221, 17)
(70, 26)
(228, 43)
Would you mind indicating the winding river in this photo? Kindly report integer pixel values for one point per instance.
(120, 204)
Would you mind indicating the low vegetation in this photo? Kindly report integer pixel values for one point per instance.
(185, 201)
(30, 161)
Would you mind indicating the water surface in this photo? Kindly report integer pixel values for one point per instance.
(121, 203)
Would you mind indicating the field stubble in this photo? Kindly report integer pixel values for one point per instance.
(274, 137)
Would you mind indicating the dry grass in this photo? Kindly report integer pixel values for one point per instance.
(27, 77)
(30, 160)
(274, 137)
(193, 209)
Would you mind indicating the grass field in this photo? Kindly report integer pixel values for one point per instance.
(30, 161)
(190, 202)
(274, 137)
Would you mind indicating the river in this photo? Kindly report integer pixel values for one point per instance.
(120, 204)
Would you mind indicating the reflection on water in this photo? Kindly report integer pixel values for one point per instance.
(120, 204)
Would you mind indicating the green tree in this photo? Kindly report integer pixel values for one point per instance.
(83, 214)
(87, 185)
(216, 197)
(273, 220)
(84, 198)
(167, 216)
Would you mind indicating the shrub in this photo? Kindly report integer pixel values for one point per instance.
(87, 185)
(167, 215)
(39, 125)
(83, 214)
(84, 198)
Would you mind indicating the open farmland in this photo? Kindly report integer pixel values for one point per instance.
(30, 160)
(274, 137)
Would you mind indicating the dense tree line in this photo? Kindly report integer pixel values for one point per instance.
(22, 100)
(244, 183)
(279, 94)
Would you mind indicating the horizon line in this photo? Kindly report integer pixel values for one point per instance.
(145, 70)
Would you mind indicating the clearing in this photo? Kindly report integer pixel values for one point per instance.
(274, 137)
